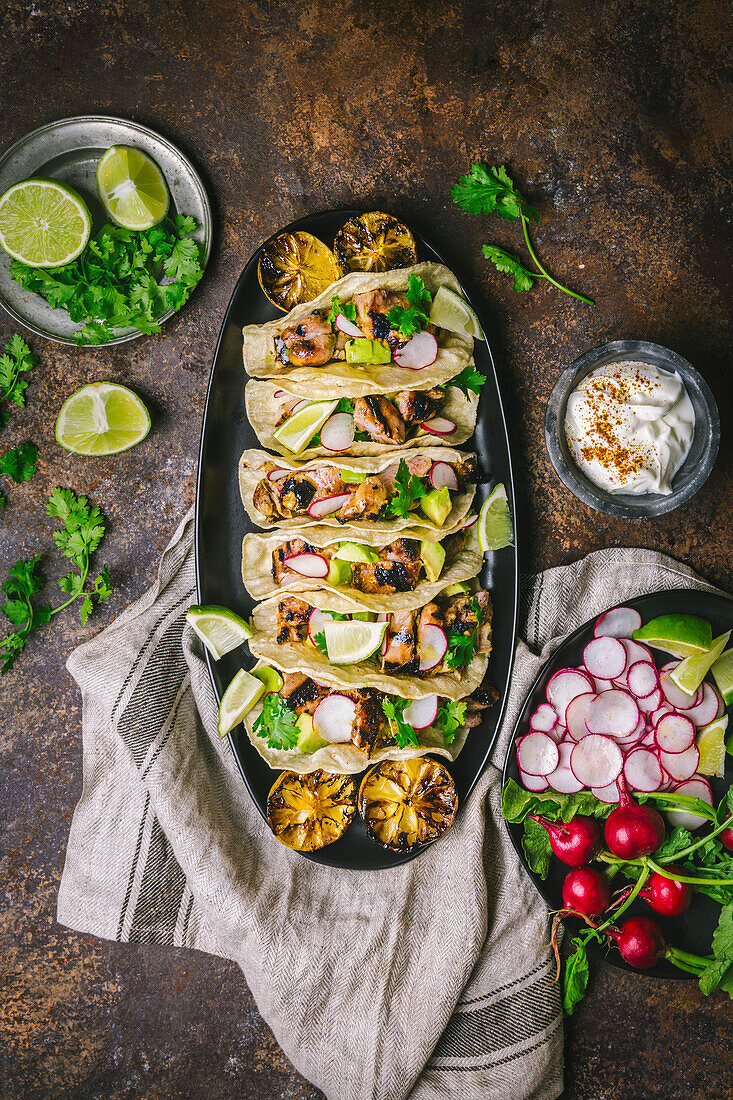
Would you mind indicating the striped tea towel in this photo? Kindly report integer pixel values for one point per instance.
(429, 980)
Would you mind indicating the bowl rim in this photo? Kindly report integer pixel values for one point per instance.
(627, 505)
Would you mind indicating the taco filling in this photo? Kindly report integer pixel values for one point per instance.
(326, 490)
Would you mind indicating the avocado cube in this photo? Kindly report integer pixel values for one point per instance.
(437, 505)
(308, 739)
(433, 558)
(339, 572)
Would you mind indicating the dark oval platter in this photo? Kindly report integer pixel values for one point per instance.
(693, 930)
(221, 523)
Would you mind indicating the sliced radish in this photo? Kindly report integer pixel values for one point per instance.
(343, 324)
(469, 522)
(316, 619)
(674, 734)
(280, 393)
(575, 715)
(328, 505)
(607, 794)
(278, 473)
(650, 703)
(709, 708)
(421, 713)
(635, 652)
(544, 718)
(333, 718)
(613, 712)
(537, 754)
(642, 770)
(442, 475)
(596, 761)
(660, 712)
(674, 695)
(619, 622)
(433, 647)
(634, 737)
(564, 686)
(439, 425)
(562, 779)
(301, 404)
(307, 565)
(419, 352)
(681, 765)
(602, 685)
(337, 434)
(642, 679)
(692, 788)
(533, 782)
(605, 657)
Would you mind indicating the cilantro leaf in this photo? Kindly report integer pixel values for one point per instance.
(462, 648)
(347, 308)
(449, 719)
(402, 731)
(414, 318)
(319, 641)
(491, 190)
(276, 723)
(14, 363)
(20, 463)
(469, 380)
(408, 489)
(510, 265)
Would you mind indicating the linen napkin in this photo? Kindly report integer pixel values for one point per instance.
(429, 980)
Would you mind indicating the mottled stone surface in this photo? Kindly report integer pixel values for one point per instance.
(615, 118)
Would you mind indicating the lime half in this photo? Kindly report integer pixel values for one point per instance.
(238, 700)
(691, 672)
(495, 530)
(351, 641)
(102, 419)
(723, 675)
(298, 430)
(711, 744)
(220, 629)
(43, 223)
(451, 311)
(132, 188)
(680, 635)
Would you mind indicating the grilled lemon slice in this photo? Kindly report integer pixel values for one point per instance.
(307, 812)
(374, 242)
(295, 268)
(407, 803)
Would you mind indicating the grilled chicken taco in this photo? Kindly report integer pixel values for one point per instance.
(298, 421)
(367, 333)
(429, 489)
(440, 648)
(405, 573)
(306, 725)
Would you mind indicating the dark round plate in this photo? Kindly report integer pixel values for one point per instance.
(693, 930)
(221, 523)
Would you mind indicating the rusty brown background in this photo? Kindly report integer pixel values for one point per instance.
(616, 119)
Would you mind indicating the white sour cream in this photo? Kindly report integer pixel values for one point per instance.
(629, 427)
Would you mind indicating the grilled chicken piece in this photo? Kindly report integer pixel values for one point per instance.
(418, 405)
(301, 693)
(418, 465)
(310, 343)
(366, 501)
(398, 570)
(460, 618)
(299, 490)
(477, 703)
(368, 718)
(379, 418)
(453, 545)
(266, 500)
(281, 573)
(400, 654)
(292, 620)
(372, 309)
(466, 472)
(406, 551)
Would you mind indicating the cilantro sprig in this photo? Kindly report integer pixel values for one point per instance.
(82, 531)
(347, 308)
(490, 190)
(19, 463)
(449, 719)
(401, 730)
(468, 381)
(414, 318)
(276, 723)
(408, 489)
(16, 361)
(462, 648)
(122, 279)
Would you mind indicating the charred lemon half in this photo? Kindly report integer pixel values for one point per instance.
(406, 803)
(374, 242)
(295, 268)
(306, 812)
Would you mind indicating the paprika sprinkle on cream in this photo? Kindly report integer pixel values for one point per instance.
(629, 427)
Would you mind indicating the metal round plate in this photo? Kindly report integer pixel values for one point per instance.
(68, 151)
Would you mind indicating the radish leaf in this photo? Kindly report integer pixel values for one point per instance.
(536, 847)
(719, 974)
(575, 978)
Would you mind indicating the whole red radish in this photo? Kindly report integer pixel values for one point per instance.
(726, 837)
(667, 896)
(632, 831)
(574, 842)
(587, 891)
(640, 942)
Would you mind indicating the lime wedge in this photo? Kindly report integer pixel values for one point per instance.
(350, 641)
(298, 430)
(132, 188)
(680, 635)
(495, 530)
(43, 223)
(451, 311)
(239, 698)
(691, 672)
(269, 676)
(102, 419)
(711, 745)
(220, 629)
(723, 675)
(356, 551)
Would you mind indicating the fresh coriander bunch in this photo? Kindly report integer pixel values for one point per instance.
(490, 190)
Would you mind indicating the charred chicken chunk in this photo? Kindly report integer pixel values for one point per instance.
(379, 418)
(292, 620)
(460, 617)
(310, 343)
(301, 693)
(366, 501)
(400, 652)
(372, 309)
(418, 405)
(368, 717)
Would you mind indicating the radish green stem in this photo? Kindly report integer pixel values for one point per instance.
(545, 274)
(694, 960)
(684, 966)
(684, 802)
(686, 878)
(643, 876)
(698, 843)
